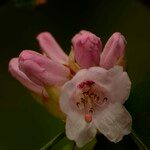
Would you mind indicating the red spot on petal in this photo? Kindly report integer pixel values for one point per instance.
(81, 85)
(89, 83)
(86, 83)
(88, 118)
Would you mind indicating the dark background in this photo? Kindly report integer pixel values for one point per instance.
(24, 124)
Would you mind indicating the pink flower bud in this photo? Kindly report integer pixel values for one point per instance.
(51, 48)
(87, 49)
(19, 75)
(42, 70)
(113, 50)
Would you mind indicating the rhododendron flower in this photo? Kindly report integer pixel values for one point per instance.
(88, 83)
(92, 100)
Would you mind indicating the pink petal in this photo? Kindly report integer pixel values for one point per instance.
(87, 49)
(51, 48)
(42, 70)
(20, 76)
(114, 122)
(113, 50)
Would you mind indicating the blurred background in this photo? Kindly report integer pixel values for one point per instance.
(24, 124)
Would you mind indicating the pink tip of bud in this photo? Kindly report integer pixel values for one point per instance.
(113, 50)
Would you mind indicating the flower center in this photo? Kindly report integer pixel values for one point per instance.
(90, 98)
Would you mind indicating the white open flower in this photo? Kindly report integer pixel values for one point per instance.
(92, 101)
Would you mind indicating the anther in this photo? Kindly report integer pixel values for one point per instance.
(78, 104)
(92, 95)
(105, 99)
(85, 93)
(83, 100)
(97, 99)
(91, 110)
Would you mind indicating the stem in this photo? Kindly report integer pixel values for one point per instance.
(55, 140)
(69, 146)
(138, 142)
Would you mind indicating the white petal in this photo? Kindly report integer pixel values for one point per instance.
(120, 86)
(115, 81)
(114, 122)
(65, 97)
(80, 76)
(68, 90)
(79, 130)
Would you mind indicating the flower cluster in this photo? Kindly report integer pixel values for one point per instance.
(87, 89)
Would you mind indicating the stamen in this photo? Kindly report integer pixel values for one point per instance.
(78, 104)
(105, 99)
(85, 93)
(83, 101)
(98, 99)
(91, 110)
(89, 99)
(92, 95)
